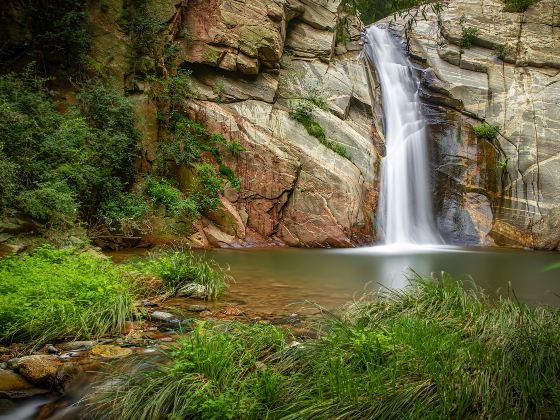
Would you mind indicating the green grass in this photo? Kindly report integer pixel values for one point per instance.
(434, 350)
(486, 131)
(61, 294)
(176, 268)
(54, 294)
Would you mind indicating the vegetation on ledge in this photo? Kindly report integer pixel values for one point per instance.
(435, 350)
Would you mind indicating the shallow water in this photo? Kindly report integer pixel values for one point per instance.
(287, 280)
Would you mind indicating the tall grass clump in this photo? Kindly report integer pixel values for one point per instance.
(177, 268)
(517, 6)
(439, 349)
(62, 293)
(214, 373)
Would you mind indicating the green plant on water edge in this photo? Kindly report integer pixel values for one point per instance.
(437, 349)
(486, 131)
(52, 294)
(517, 6)
(61, 293)
(179, 267)
(502, 163)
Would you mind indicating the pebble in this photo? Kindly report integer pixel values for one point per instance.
(52, 349)
(233, 312)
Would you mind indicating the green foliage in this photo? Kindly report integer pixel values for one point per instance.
(438, 349)
(468, 36)
(124, 212)
(143, 22)
(207, 187)
(213, 373)
(61, 32)
(60, 166)
(302, 111)
(60, 294)
(502, 163)
(178, 268)
(230, 176)
(486, 131)
(164, 192)
(517, 6)
(235, 147)
(500, 51)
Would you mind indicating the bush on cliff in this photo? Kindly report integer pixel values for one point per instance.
(435, 350)
(57, 166)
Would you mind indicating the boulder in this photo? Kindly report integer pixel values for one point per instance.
(216, 237)
(108, 351)
(39, 369)
(13, 385)
(226, 217)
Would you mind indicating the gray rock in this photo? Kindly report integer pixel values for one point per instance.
(162, 316)
(193, 290)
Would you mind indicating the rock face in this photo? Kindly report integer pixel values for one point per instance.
(250, 60)
(503, 191)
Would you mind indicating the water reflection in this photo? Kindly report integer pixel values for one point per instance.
(276, 278)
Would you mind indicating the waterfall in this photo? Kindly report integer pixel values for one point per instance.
(405, 213)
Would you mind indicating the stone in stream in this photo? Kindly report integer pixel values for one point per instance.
(193, 290)
(40, 369)
(163, 316)
(76, 345)
(110, 352)
(196, 308)
(13, 385)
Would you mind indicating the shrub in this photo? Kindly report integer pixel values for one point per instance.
(178, 268)
(467, 38)
(61, 32)
(60, 294)
(162, 192)
(438, 349)
(486, 131)
(517, 6)
(124, 211)
(207, 188)
(230, 175)
(235, 147)
(500, 51)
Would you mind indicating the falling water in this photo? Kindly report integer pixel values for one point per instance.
(405, 206)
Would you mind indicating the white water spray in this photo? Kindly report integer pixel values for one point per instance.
(405, 207)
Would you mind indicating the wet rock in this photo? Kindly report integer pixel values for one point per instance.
(233, 311)
(196, 308)
(162, 316)
(109, 351)
(147, 303)
(76, 345)
(39, 369)
(13, 385)
(193, 290)
(205, 314)
(52, 349)
(66, 375)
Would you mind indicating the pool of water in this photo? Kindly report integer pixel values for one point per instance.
(296, 280)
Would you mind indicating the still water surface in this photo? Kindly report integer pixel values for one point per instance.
(284, 280)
